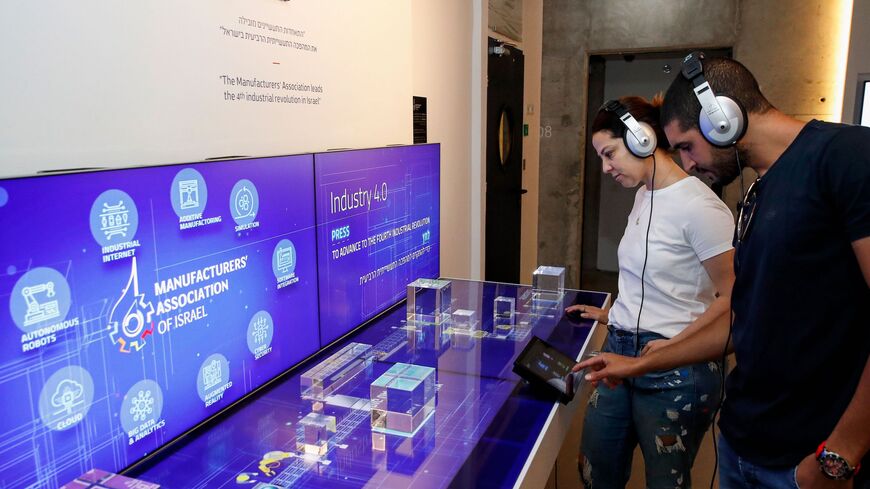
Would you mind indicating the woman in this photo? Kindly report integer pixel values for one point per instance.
(675, 276)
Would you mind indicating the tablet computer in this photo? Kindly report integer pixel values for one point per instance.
(549, 369)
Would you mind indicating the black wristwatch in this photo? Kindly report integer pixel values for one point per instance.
(833, 466)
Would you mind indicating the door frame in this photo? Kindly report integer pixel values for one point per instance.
(590, 275)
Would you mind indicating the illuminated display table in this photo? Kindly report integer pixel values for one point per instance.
(314, 427)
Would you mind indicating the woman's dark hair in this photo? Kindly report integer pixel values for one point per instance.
(641, 109)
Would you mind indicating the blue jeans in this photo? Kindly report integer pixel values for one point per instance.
(667, 413)
(736, 472)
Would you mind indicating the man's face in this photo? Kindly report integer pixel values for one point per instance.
(698, 155)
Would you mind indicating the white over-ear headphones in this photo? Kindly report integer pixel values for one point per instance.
(722, 119)
(639, 137)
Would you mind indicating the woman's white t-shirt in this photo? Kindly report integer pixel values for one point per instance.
(689, 225)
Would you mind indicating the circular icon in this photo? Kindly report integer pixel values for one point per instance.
(260, 331)
(142, 403)
(189, 193)
(284, 259)
(41, 297)
(66, 398)
(114, 218)
(244, 202)
(4, 197)
(214, 373)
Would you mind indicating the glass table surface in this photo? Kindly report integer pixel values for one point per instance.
(483, 428)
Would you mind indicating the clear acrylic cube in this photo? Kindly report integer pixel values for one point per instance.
(428, 337)
(327, 376)
(428, 301)
(316, 428)
(402, 399)
(548, 287)
(504, 316)
(465, 320)
(551, 279)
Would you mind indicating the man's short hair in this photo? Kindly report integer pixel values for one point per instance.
(726, 77)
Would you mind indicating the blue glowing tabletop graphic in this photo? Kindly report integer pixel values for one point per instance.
(484, 428)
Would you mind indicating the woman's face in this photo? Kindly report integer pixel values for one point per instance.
(617, 161)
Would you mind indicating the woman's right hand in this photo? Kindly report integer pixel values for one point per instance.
(590, 312)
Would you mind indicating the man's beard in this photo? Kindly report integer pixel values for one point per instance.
(725, 167)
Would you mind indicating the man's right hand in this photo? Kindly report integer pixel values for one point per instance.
(608, 368)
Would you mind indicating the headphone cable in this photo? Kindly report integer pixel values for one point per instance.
(645, 257)
(727, 341)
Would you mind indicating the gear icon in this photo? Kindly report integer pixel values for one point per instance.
(244, 203)
(143, 405)
(136, 324)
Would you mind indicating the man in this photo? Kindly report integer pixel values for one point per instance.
(801, 299)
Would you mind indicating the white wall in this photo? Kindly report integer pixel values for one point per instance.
(95, 83)
(479, 69)
(441, 71)
(533, 23)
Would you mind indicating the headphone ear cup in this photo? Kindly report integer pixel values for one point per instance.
(736, 116)
(636, 147)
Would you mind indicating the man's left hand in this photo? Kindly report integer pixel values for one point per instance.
(808, 476)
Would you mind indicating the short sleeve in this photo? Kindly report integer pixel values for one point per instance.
(846, 177)
(709, 228)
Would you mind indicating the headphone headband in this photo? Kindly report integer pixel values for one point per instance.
(614, 106)
(692, 65)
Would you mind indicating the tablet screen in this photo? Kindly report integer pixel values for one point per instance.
(547, 363)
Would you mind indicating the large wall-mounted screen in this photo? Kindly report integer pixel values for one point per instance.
(378, 229)
(136, 303)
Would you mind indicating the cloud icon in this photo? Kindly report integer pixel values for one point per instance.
(67, 395)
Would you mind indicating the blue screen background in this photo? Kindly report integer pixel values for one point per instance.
(137, 303)
(354, 286)
(59, 422)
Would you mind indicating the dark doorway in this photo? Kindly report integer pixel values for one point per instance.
(605, 204)
(504, 162)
